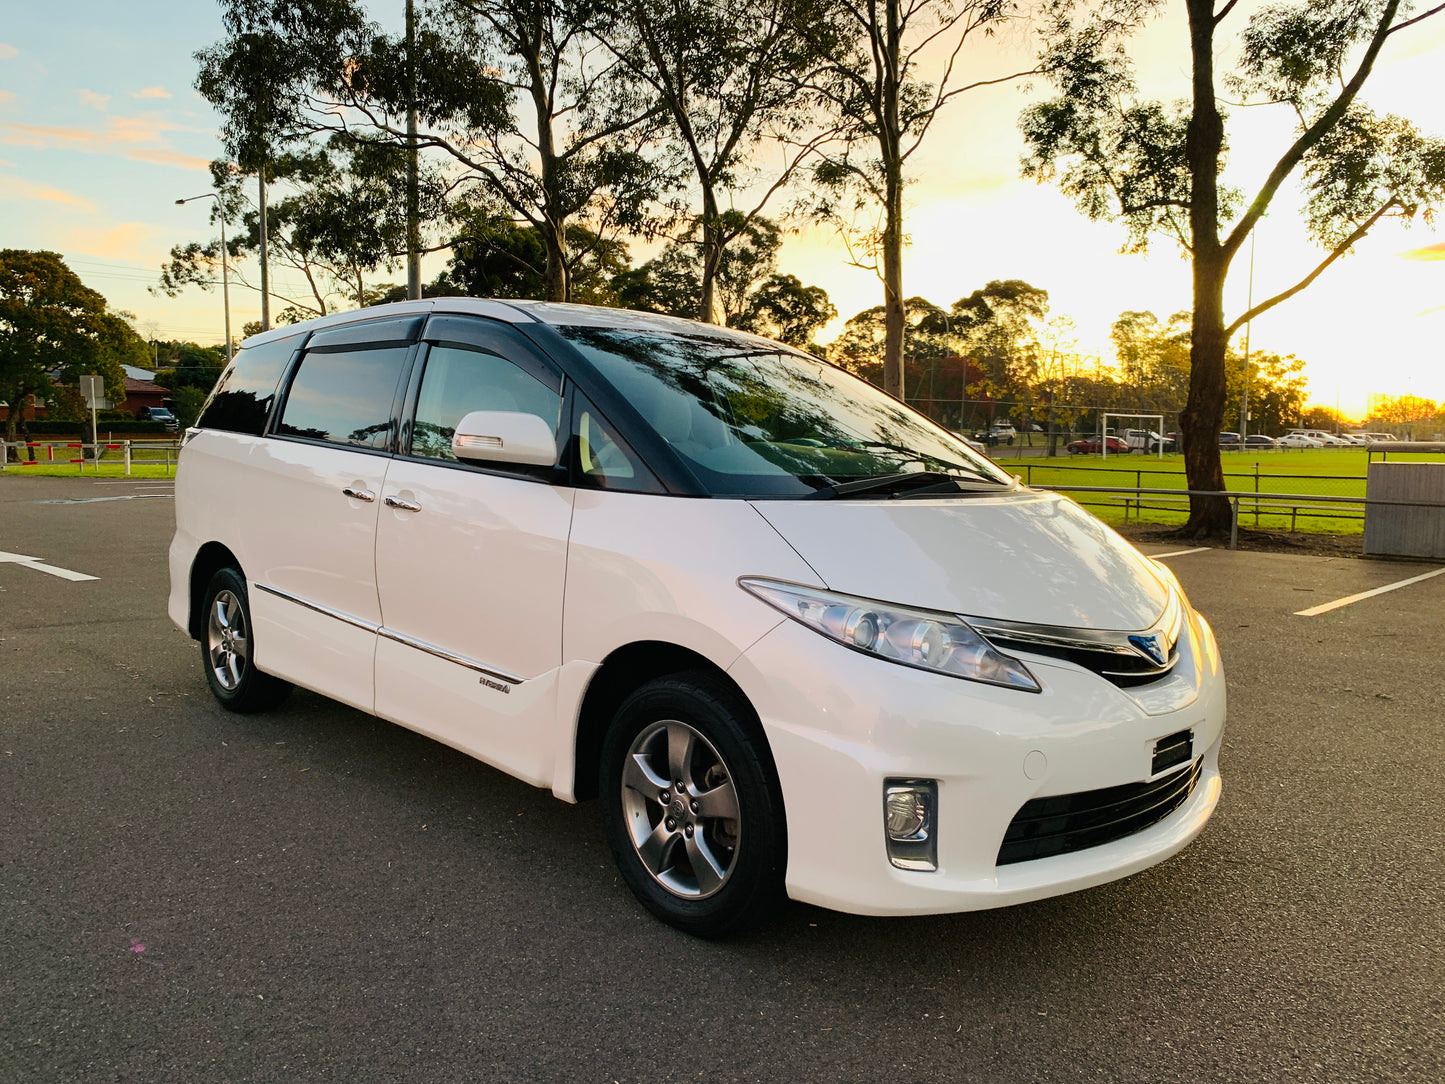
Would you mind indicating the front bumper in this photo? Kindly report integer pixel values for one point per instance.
(840, 723)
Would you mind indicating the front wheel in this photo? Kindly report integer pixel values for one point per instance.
(691, 807)
(226, 648)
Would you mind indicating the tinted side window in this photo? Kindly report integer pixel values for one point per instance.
(344, 397)
(458, 381)
(242, 398)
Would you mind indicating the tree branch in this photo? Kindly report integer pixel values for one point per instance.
(1312, 135)
(1338, 251)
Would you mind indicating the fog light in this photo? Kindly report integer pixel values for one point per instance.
(909, 814)
(906, 813)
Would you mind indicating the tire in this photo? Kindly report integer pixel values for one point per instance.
(708, 861)
(226, 648)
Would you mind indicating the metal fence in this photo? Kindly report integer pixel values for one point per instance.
(85, 455)
(1266, 503)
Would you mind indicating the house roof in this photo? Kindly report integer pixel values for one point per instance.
(144, 387)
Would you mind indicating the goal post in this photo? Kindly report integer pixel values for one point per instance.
(1104, 436)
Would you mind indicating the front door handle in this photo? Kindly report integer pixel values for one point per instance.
(397, 502)
(360, 494)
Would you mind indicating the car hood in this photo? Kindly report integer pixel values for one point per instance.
(1026, 556)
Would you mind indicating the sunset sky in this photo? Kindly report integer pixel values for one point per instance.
(101, 131)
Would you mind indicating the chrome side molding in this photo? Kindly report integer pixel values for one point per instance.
(396, 637)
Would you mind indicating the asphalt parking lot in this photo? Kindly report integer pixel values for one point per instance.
(187, 895)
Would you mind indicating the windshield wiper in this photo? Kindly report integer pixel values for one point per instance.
(906, 484)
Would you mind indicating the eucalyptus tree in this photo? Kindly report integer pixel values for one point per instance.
(1158, 166)
(731, 77)
(514, 95)
(51, 324)
(875, 85)
(342, 215)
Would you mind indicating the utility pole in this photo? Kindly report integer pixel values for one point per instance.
(413, 208)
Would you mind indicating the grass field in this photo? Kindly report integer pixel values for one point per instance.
(1327, 472)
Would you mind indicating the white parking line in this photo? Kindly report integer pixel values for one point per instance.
(1315, 611)
(40, 566)
(1179, 553)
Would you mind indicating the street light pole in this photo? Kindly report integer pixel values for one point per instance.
(225, 277)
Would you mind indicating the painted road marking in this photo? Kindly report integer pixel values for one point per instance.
(1179, 553)
(1315, 611)
(40, 566)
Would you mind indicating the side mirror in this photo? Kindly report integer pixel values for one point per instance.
(505, 436)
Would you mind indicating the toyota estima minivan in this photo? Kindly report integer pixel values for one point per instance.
(796, 638)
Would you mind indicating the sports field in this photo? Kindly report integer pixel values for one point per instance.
(1316, 472)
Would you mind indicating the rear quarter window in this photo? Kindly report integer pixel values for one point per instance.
(345, 397)
(241, 400)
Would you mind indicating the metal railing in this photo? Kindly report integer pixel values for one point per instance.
(19, 454)
(1266, 502)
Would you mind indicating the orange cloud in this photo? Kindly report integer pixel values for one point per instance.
(169, 158)
(94, 100)
(151, 92)
(1429, 252)
(123, 242)
(22, 189)
(7, 51)
(119, 130)
(6, 97)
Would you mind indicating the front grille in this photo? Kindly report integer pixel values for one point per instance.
(1120, 667)
(1073, 822)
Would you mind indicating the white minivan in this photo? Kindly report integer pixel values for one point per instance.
(795, 637)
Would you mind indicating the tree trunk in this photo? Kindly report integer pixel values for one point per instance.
(712, 249)
(1199, 423)
(890, 144)
(893, 283)
(554, 216)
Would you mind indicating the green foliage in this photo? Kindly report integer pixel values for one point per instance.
(53, 330)
(783, 308)
(499, 258)
(672, 283)
(186, 402)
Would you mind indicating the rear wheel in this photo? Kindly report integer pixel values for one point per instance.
(692, 812)
(226, 648)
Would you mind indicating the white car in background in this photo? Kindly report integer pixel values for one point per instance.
(1297, 440)
(796, 638)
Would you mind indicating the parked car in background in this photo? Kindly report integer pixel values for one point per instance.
(1323, 439)
(1146, 440)
(1230, 441)
(997, 433)
(637, 559)
(1297, 440)
(1259, 440)
(158, 414)
(1370, 437)
(1093, 446)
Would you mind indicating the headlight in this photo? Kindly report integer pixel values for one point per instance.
(943, 643)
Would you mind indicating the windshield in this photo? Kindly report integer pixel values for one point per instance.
(753, 418)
